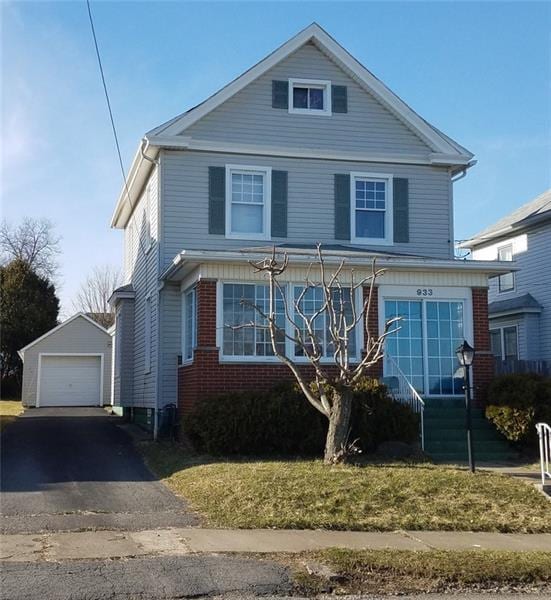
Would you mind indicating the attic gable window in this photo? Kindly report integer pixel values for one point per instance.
(310, 96)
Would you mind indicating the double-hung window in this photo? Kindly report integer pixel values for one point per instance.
(311, 302)
(189, 323)
(506, 281)
(244, 329)
(371, 208)
(504, 342)
(248, 202)
(310, 96)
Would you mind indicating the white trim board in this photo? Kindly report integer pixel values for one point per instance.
(39, 372)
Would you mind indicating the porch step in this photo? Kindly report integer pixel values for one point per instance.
(446, 436)
(448, 432)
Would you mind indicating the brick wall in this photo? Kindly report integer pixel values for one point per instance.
(206, 376)
(483, 364)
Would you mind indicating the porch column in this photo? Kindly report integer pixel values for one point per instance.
(483, 364)
(372, 319)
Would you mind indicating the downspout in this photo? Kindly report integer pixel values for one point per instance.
(463, 171)
(144, 150)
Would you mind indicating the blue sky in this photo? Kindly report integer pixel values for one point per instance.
(481, 72)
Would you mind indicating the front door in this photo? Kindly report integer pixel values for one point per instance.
(423, 343)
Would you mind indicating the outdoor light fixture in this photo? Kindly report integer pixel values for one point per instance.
(465, 356)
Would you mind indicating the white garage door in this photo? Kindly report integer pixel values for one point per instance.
(70, 381)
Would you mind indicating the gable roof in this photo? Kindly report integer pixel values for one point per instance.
(532, 212)
(445, 150)
(57, 328)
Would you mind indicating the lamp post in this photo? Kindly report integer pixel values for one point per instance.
(465, 356)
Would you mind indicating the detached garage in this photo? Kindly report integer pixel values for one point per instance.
(68, 366)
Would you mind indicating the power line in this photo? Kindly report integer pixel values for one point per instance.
(108, 101)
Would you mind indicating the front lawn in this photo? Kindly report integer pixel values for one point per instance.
(9, 409)
(404, 571)
(309, 495)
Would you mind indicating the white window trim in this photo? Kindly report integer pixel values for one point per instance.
(324, 84)
(501, 328)
(147, 335)
(267, 220)
(511, 289)
(289, 346)
(388, 240)
(185, 300)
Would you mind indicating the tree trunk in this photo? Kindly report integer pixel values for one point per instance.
(339, 424)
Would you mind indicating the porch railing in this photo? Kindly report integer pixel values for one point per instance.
(402, 391)
(544, 433)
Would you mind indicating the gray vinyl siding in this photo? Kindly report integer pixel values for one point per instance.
(310, 202)
(123, 385)
(77, 337)
(533, 277)
(170, 342)
(248, 117)
(142, 263)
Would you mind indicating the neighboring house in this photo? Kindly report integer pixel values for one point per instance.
(520, 301)
(306, 146)
(70, 365)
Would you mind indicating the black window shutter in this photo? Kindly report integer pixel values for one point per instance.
(339, 99)
(217, 200)
(280, 94)
(279, 203)
(342, 206)
(400, 199)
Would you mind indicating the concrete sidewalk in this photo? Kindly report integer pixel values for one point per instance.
(182, 541)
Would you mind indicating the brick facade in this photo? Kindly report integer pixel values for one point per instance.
(483, 364)
(207, 376)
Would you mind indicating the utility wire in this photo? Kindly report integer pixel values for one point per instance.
(114, 129)
(107, 100)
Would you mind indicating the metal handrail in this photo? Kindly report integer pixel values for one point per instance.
(406, 393)
(544, 433)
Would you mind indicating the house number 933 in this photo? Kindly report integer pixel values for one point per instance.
(424, 291)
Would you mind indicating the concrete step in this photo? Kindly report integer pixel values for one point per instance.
(444, 402)
(438, 423)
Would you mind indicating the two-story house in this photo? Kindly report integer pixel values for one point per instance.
(520, 302)
(306, 146)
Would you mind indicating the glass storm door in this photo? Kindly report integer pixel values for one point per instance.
(405, 344)
(423, 343)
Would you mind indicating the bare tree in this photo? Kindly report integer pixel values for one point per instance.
(94, 294)
(34, 242)
(331, 390)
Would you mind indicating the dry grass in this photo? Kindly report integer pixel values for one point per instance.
(9, 409)
(401, 571)
(310, 495)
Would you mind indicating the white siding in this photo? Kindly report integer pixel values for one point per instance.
(77, 337)
(310, 202)
(248, 117)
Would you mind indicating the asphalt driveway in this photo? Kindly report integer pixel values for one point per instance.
(65, 469)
